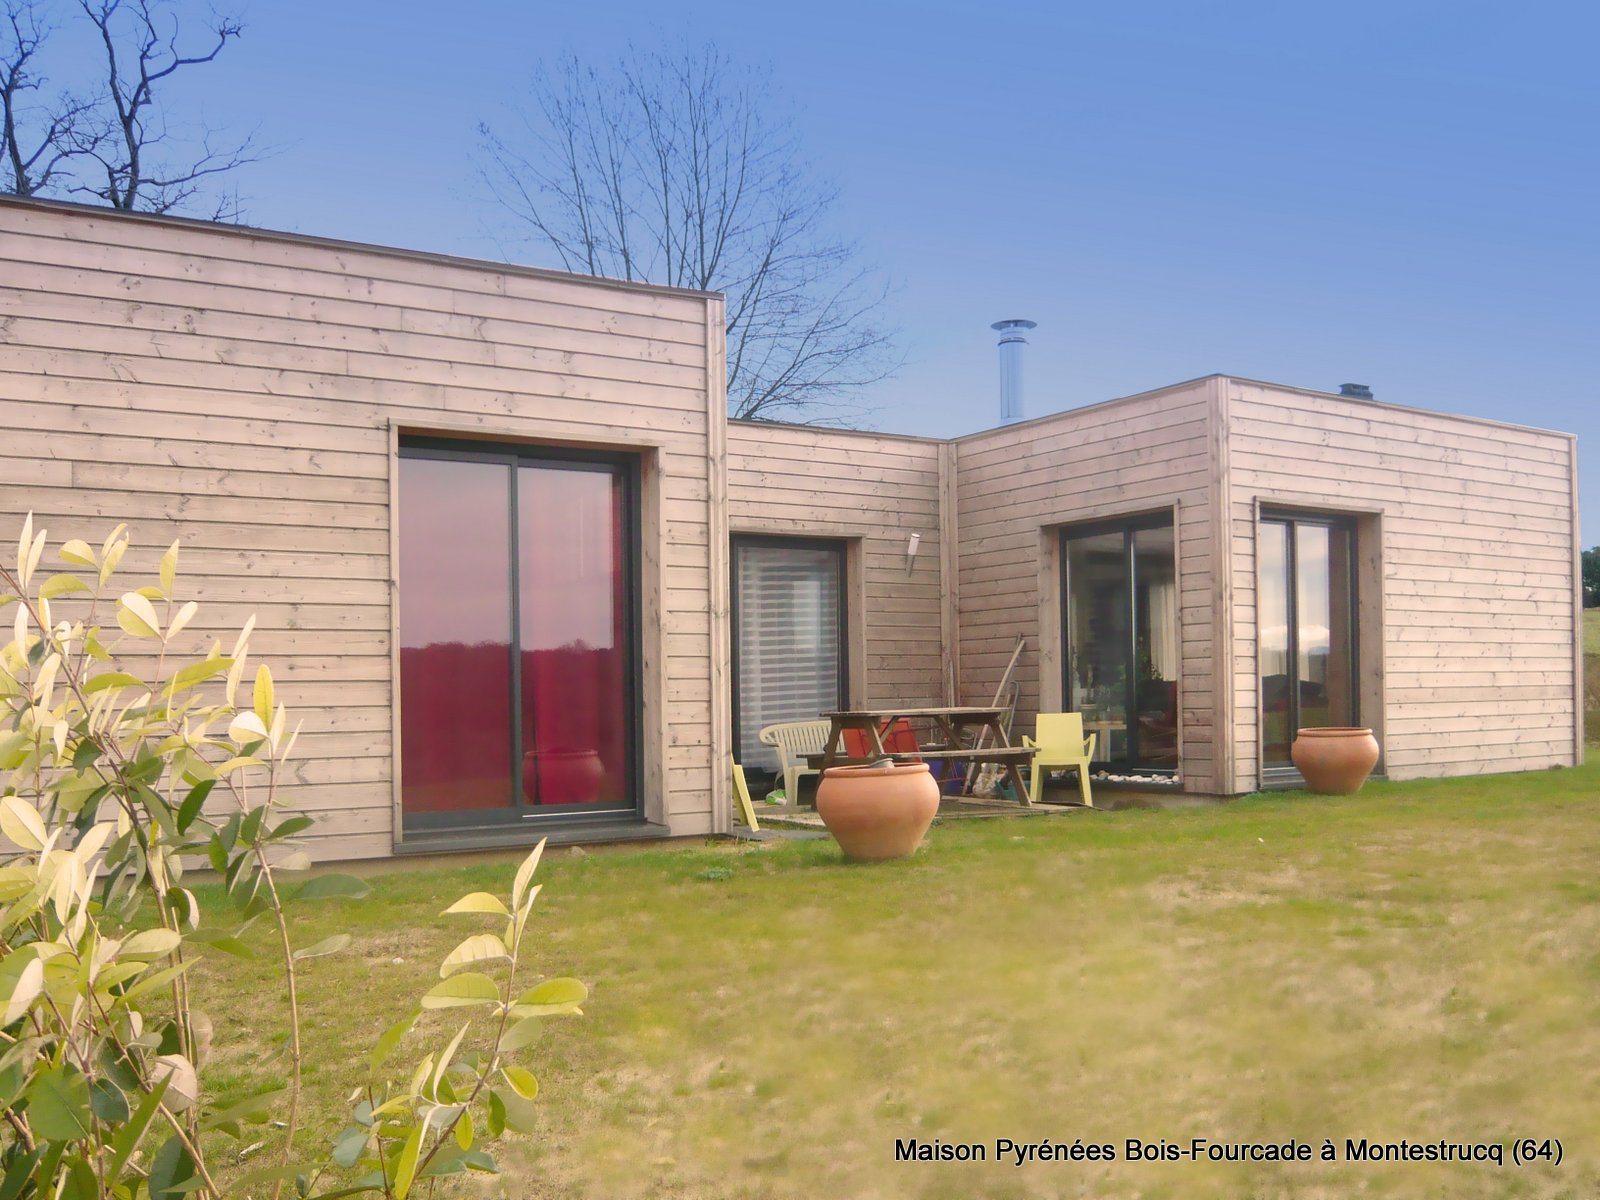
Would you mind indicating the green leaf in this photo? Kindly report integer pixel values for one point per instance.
(251, 828)
(151, 943)
(463, 1131)
(328, 945)
(20, 821)
(224, 942)
(520, 1115)
(172, 1173)
(333, 887)
(169, 568)
(58, 1104)
(522, 1080)
(349, 1146)
(479, 902)
(192, 803)
(84, 754)
(126, 1139)
(262, 696)
(113, 679)
(553, 997)
(160, 979)
(290, 827)
(522, 1035)
(137, 616)
(406, 1168)
(479, 948)
(497, 1114)
(19, 1173)
(62, 585)
(25, 989)
(78, 554)
(519, 886)
(467, 988)
(108, 1103)
(390, 1039)
(190, 676)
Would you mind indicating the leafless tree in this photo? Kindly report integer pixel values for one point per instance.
(110, 138)
(35, 139)
(667, 170)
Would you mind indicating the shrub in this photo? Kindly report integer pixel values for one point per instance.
(123, 762)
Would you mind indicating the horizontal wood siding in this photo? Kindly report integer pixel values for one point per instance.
(1476, 563)
(1018, 484)
(876, 490)
(239, 390)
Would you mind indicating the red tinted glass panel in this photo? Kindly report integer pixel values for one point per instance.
(455, 636)
(571, 620)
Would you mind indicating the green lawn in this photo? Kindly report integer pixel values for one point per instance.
(1591, 631)
(1421, 961)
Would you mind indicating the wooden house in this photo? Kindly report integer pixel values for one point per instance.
(520, 574)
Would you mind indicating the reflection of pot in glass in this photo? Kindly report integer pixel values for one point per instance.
(562, 776)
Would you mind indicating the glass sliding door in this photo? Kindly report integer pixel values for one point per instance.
(1121, 616)
(1307, 634)
(517, 636)
(788, 637)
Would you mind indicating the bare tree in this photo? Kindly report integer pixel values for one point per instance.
(110, 138)
(667, 170)
(33, 156)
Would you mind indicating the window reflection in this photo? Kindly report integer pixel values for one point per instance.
(455, 636)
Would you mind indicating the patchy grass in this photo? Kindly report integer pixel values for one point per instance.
(1421, 961)
(1591, 631)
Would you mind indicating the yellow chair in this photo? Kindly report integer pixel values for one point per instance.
(1061, 744)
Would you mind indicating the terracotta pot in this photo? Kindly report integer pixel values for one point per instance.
(876, 813)
(1335, 761)
(562, 776)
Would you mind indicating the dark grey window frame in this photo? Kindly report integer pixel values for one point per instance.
(520, 814)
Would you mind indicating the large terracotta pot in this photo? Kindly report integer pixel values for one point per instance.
(876, 813)
(1335, 761)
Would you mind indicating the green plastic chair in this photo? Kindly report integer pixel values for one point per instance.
(1061, 744)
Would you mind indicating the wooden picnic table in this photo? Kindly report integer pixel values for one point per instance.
(950, 724)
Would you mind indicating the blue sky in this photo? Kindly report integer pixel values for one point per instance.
(1398, 194)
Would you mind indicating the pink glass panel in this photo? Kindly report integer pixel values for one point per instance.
(455, 636)
(571, 614)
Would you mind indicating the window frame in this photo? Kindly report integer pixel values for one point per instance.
(626, 468)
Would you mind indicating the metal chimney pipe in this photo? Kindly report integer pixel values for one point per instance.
(1011, 343)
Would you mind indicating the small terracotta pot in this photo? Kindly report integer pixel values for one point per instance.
(876, 813)
(1335, 761)
(562, 776)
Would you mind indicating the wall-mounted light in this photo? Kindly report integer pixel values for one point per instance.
(911, 551)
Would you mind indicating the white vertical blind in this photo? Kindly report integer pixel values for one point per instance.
(789, 642)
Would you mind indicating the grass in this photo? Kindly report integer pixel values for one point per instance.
(1591, 674)
(1421, 961)
(1591, 631)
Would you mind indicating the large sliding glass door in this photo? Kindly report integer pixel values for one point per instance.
(1307, 635)
(788, 637)
(1121, 661)
(517, 635)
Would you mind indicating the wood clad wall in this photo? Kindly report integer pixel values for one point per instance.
(239, 390)
(1475, 521)
(874, 490)
(1019, 484)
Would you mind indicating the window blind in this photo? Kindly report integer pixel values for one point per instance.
(790, 652)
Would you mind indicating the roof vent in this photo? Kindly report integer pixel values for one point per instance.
(1356, 391)
(1012, 340)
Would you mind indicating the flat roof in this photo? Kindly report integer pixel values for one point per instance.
(275, 235)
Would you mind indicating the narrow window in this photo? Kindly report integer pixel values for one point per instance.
(789, 644)
(1120, 587)
(1306, 628)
